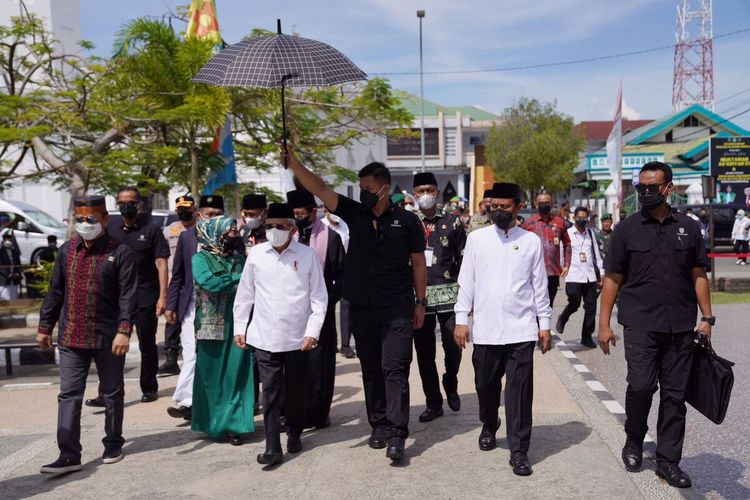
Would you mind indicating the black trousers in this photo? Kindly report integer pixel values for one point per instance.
(660, 360)
(553, 283)
(283, 376)
(321, 373)
(740, 246)
(172, 337)
(589, 293)
(146, 324)
(516, 363)
(74, 370)
(345, 324)
(424, 344)
(384, 348)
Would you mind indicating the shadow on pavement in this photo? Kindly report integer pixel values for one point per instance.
(39, 484)
(725, 481)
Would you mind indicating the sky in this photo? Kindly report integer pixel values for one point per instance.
(382, 36)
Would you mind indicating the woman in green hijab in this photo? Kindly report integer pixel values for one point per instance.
(223, 384)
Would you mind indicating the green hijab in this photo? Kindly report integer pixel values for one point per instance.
(211, 234)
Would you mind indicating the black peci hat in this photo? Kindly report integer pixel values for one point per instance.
(506, 190)
(212, 201)
(280, 211)
(425, 179)
(251, 201)
(300, 198)
(487, 194)
(89, 201)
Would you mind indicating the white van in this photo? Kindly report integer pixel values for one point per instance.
(31, 227)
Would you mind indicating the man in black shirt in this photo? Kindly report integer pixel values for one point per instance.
(151, 251)
(380, 284)
(656, 261)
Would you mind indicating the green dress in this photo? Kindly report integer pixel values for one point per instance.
(223, 384)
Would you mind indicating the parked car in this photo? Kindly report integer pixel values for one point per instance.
(723, 220)
(30, 226)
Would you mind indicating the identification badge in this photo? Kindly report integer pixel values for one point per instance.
(428, 256)
(557, 241)
(582, 256)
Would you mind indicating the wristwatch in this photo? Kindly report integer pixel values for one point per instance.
(711, 320)
(421, 302)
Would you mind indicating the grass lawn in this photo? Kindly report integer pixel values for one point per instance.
(730, 298)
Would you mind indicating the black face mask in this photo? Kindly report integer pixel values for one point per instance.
(128, 211)
(234, 245)
(369, 199)
(301, 223)
(502, 218)
(185, 216)
(581, 223)
(544, 209)
(651, 201)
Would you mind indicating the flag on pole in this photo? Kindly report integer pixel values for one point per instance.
(614, 149)
(204, 24)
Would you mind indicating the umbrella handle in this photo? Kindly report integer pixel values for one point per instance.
(283, 123)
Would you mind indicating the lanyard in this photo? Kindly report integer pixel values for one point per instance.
(428, 232)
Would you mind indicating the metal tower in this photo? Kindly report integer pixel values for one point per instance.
(693, 55)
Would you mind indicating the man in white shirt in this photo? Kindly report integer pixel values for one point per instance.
(282, 285)
(584, 278)
(503, 281)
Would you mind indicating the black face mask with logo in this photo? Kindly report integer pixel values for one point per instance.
(369, 199)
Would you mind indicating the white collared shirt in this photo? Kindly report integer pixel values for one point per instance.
(341, 228)
(286, 294)
(503, 280)
(580, 243)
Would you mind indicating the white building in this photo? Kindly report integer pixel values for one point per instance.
(62, 18)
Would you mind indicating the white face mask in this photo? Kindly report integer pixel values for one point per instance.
(334, 218)
(89, 231)
(426, 201)
(409, 208)
(8, 244)
(252, 223)
(278, 237)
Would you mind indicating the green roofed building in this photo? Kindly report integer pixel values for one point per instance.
(454, 138)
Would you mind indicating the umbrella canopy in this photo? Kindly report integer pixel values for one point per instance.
(279, 60)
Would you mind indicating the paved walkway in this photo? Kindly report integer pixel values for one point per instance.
(574, 450)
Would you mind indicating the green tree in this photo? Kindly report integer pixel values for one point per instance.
(535, 146)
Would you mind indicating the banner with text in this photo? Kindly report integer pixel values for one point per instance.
(729, 159)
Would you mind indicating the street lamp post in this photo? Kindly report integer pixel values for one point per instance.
(420, 15)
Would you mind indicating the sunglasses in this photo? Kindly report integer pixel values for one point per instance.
(87, 219)
(128, 204)
(283, 227)
(649, 188)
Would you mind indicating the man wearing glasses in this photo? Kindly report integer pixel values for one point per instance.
(656, 261)
(385, 268)
(151, 251)
(92, 299)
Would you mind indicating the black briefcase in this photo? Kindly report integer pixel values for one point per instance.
(711, 381)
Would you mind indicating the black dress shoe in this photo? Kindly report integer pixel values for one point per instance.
(395, 449)
(454, 402)
(293, 443)
(169, 367)
(673, 475)
(325, 424)
(632, 456)
(270, 458)
(588, 343)
(97, 402)
(520, 463)
(377, 439)
(235, 440)
(180, 411)
(348, 352)
(430, 414)
(149, 397)
(559, 326)
(487, 440)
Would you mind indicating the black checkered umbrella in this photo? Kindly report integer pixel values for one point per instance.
(279, 61)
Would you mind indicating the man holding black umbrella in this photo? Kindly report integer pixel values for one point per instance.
(385, 269)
